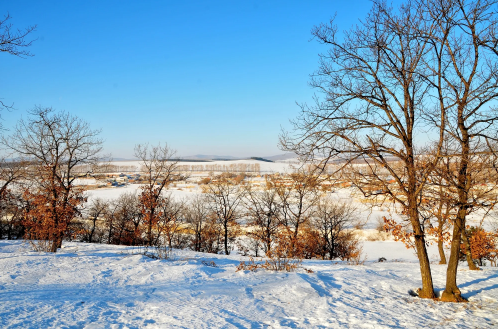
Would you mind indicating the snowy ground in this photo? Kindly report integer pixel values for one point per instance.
(103, 286)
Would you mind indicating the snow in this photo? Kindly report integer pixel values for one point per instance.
(105, 286)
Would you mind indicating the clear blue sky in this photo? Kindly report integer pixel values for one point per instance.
(210, 77)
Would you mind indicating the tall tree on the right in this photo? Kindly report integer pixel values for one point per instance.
(374, 87)
(465, 72)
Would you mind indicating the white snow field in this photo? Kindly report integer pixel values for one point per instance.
(105, 286)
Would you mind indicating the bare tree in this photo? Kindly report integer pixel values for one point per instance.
(12, 182)
(264, 211)
(159, 170)
(11, 172)
(297, 195)
(464, 46)
(54, 143)
(96, 210)
(375, 88)
(122, 221)
(332, 219)
(11, 214)
(438, 207)
(169, 224)
(196, 213)
(225, 197)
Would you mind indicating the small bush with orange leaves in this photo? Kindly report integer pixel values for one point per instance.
(482, 245)
(286, 255)
(239, 178)
(205, 181)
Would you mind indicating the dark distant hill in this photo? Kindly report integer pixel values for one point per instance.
(260, 159)
(285, 156)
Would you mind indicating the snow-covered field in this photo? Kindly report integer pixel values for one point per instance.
(104, 286)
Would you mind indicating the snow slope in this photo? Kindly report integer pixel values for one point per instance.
(103, 286)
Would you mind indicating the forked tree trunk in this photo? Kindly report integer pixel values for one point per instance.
(452, 293)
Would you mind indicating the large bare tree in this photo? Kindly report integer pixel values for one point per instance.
(464, 47)
(375, 87)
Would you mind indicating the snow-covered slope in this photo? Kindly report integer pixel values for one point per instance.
(103, 286)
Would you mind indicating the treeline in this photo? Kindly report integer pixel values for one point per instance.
(233, 167)
(296, 221)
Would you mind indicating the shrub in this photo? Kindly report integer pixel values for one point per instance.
(482, 245)
(205, 181)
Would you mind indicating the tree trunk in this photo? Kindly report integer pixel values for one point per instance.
(149, 227)
(109, 234)
(226, 239)
(198, 242)
(90, 238)
(468, 252)
(427, 290)
(452, 293)
(440, 247)
(440, 221)
(56, 243)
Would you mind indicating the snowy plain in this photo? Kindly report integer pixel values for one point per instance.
(105, 286)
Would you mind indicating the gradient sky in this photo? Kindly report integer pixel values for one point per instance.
(207, 77)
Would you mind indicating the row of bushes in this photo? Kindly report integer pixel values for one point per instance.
(227, 216)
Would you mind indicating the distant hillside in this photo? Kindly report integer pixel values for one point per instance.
(212, 157)
(285, 156)
(260, 159)
(209, 157)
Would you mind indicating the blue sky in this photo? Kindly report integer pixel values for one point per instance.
(206, 77)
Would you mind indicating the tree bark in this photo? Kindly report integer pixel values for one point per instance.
(452, 293)
(468, 252)
(440, 241)
(226, 240)
(427, 290)
(440, 247)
